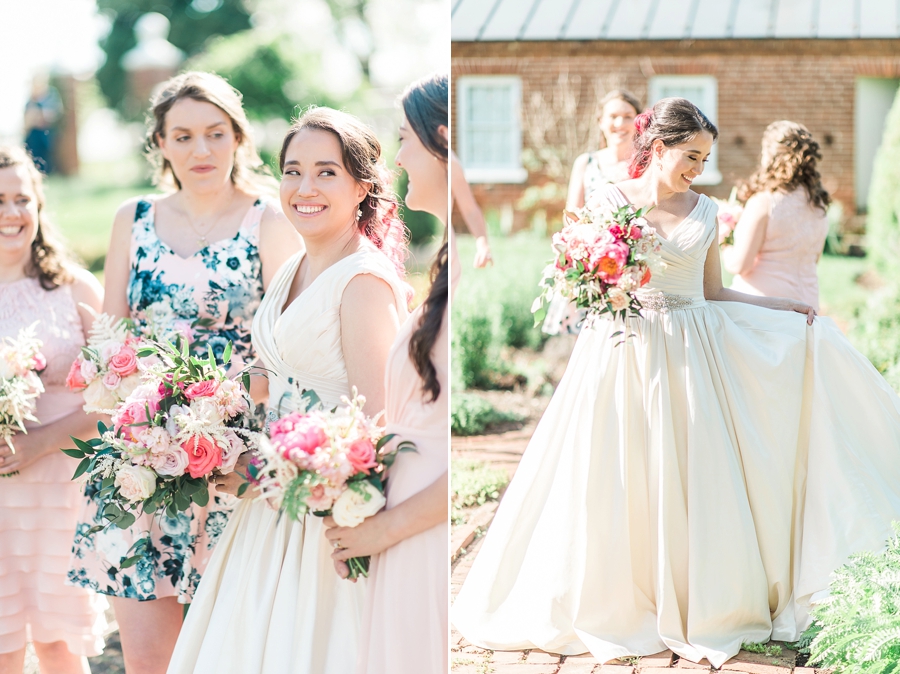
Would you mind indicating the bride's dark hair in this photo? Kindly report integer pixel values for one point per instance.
(425, 106)
(674, 121)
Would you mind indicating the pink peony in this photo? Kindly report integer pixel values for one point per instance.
(39, 362)
(202, 389)
(361, 455)
(306, 436)
(124, 362)
(203, 455)
(610, 261)
(74, 380)
(617, 231)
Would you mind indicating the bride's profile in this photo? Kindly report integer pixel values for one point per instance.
(693, 486)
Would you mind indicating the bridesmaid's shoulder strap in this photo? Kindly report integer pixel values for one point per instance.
(374, 262)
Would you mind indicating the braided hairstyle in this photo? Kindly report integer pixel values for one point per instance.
(674, 121)
(425, 105)
(789, 160)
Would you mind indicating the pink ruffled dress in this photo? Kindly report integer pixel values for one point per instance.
(39, 507)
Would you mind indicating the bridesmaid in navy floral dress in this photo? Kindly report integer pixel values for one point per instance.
(203, 251)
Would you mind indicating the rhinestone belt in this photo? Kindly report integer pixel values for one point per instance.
(664, 302)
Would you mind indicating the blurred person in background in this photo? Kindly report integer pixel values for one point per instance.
(591, 171)
(471, 213)
(42, 111)
(781, 233)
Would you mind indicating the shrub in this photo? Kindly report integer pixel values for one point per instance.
(471, 414)
(472, 340)
(877, 332)
(857, 629)
(475, 483)
(882, 226)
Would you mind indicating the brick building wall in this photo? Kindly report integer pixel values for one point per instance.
(759, 81)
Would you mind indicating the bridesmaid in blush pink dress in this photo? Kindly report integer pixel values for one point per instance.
(405, 625)
(782, 230)
(39, 502)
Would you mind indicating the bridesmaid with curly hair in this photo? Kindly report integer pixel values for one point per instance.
(781, 233)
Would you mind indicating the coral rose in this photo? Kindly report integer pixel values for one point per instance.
(203, 455)
(202, 389)
(74, 380)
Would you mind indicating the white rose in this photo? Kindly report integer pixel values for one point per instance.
(206, 410)
(98, 398)
(128, 384)
(351, 507)
(173, 461)
(618, 299)
(136, 483)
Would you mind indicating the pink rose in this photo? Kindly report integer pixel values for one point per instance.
(134, 412)
(203, 455)
(173, 461)
(234, 449)
(74, 380)
(617, 231)
(88, 371)
(124, 362)
(361, 455)
(636, 232)
(111, 380)
(39, 362)
(202, 389)
(319, 499)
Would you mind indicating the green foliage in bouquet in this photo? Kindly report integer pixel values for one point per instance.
(856, 630)
(883, 221)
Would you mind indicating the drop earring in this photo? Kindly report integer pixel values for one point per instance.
(358, 214)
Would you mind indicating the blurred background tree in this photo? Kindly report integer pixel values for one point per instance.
(192, 22)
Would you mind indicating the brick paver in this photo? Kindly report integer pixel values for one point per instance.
(505, 450)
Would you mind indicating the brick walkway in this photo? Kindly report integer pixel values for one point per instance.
(505, 450)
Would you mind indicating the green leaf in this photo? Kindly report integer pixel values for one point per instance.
(243, 488)
(82, 467)
(384, 440)
(74, 453)
(101, 427)
(126, 520)
(130, 561)
(143, 353)
(245, 379)
(201, 498)
(82, 445)
(226, 356)
(182, 502)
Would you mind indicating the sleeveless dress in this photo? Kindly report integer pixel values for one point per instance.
(693, 487)
(405, 625)
(39, 507)
(786, 263)
(221, 282)
(563, 317)
(271, 602)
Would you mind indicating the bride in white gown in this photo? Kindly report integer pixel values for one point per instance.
(270, 601)
(693, 487)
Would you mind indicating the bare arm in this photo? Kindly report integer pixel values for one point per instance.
(713, 290)
(50, 438)
(418, 513)
(471, 212)
(118, 262)
(575, 197)
(278, 240)
(749, 235)
(369, 323)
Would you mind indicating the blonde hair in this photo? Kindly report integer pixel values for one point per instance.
(793, 155)
(249, 172)
(49, 259)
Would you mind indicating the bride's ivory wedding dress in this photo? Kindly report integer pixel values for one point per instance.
(693, 487)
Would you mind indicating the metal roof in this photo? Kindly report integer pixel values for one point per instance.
(507, 20)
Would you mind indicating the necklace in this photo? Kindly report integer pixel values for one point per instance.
(202, 240)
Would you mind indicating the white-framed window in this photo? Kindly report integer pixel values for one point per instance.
(702, 91)
(489, 128)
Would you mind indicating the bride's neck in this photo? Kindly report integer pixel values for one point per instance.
(323, 252)
(654, 191)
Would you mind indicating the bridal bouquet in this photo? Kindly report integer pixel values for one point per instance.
(326, 463)
(106, 370)
(604, 256)
(185, 419)
(20, 362)
(729, 213)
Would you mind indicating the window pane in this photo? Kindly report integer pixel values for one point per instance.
(491, 126)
